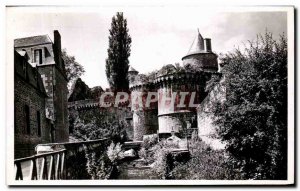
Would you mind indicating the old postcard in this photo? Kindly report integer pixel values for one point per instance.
(158, 95)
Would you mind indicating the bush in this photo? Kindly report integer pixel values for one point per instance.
(253, 118)
(149, 141)
(114, 152)
(102, 164)
(205, 164)
(98, 164)
(158, 156)
(92, 129)
(143, 153)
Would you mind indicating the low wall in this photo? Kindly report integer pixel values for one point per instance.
(74, 161)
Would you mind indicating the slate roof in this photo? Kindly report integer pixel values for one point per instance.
(31, 41)
(197, 46)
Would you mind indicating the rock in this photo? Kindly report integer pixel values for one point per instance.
(129, 154)
(42, 148)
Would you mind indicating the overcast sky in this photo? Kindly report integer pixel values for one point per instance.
(160, 36)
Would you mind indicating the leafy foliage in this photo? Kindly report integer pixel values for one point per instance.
(253, 119)
(98, 123)
(205, 164)
(160, 153)
(114, 152)
(150, 140)
(117, 63)
(98, 164)
(73, 69)
(80, 91)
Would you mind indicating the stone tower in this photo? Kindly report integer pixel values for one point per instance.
(132, 73)
(200, 55)
(145, 120)
(171, 116)
(199, 65)
(169, 112)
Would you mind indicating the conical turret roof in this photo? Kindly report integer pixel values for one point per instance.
(131, 69)
(198, 45)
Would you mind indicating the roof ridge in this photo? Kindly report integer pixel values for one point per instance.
(32, 36)
(32, 40)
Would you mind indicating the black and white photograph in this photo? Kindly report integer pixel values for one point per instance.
(150, 95)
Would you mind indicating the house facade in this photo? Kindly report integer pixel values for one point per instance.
(39, 65)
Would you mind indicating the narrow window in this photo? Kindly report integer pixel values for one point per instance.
(52, 131)
(38, 56)
(27, 118)
(38, 117)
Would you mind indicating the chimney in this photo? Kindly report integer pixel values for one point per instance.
(57, 41)
(57, 47)
(207, 42)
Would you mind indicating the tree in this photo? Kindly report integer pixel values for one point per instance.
(253, 119)
(117, 63)
(79, 91)
(73, 69)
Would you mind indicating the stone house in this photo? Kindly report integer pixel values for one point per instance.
(40, 86)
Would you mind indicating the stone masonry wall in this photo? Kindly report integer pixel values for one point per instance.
(205, 61)
(206, 129)
(60, 100)
(25, 94)
(145, 119)
(46, 73)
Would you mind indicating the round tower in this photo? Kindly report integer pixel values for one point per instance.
(200, 55)
(198, 66)
(178, 94)
(145, 120)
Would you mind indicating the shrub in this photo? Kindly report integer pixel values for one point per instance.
(143, 154)
(98, 164)
(253, 118)
(158, 156)
(114, 152)
(102, 164)
(150, 140)
(205, 163)
(92, 128)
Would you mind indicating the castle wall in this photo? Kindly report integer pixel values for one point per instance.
(207, 130)
(145, 119)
